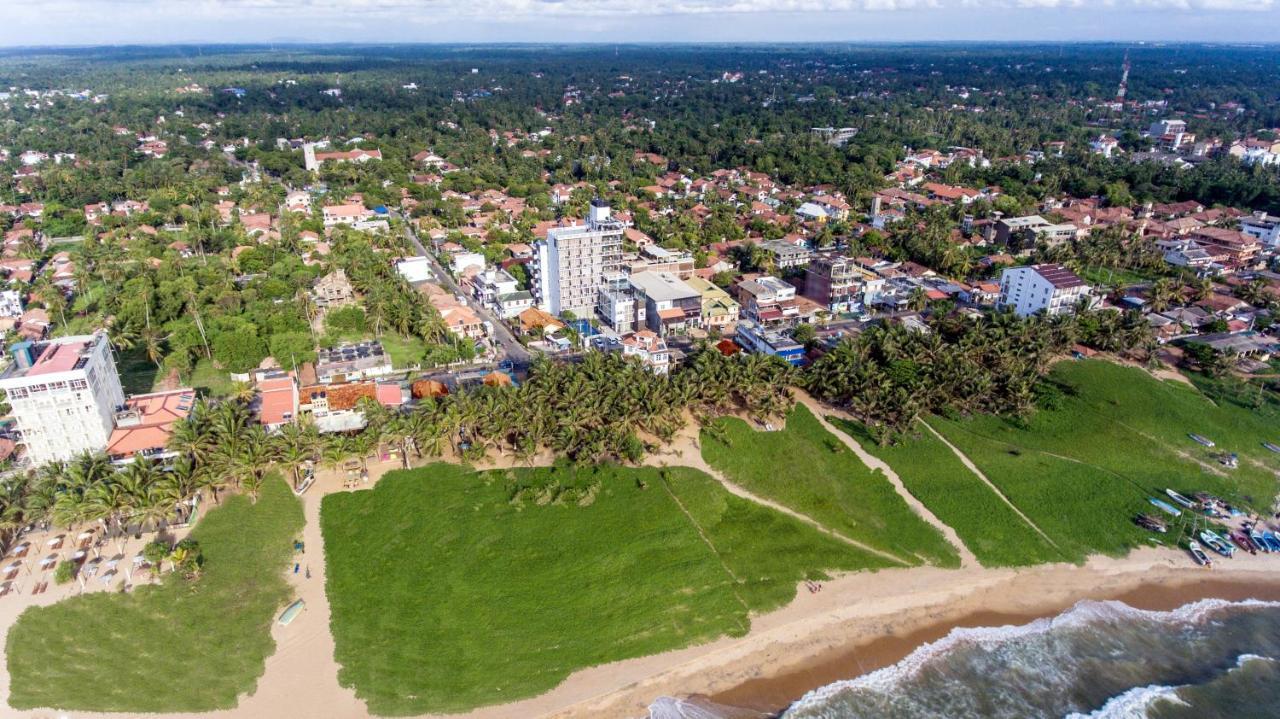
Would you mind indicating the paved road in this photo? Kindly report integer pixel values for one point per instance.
(512, 350)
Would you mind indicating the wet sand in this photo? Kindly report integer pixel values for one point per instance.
(773, 694)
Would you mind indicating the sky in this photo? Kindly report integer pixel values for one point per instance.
(105, 22)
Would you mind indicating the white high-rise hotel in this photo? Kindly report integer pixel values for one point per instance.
(573, 261)
(64, 393)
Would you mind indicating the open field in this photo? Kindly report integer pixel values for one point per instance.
(809, 470)
(988, 527)
(1081, 470)
(451, 589)
(177, 646)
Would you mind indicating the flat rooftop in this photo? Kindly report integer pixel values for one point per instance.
(53, 356)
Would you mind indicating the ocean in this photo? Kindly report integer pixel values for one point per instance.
(1098, 660)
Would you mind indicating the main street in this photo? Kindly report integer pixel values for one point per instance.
(512, 350)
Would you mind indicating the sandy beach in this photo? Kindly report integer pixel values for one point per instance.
(856, 623)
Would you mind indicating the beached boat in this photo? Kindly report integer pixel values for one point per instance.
(1198, 554)
(291, 612)
(1273, 447)
(1273, 542)
(1163, 505)
(1201, 439)
(1242, 541)
(1154, 524)
(1180, 499)
(1217, 543)
(1256, 537)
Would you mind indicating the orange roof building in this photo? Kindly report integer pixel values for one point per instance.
(144, 426)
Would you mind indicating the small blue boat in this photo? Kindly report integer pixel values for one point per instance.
(1180, 499)
(1161, 504)
(1217, 543)
(1273, 447)
(1256, 537)
(291, 612)
(1273, 543)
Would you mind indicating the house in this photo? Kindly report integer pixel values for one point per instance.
(143, 426)
(348, 214)
(349, 362)
(767, 300)
(719, 310)
(461, 320)
(649, 348)
(277, 401)
(1021, 234)
(838, 284)
(1239, 248)
(333, 290)
(298, 201)
(787, 254)
(333, 407)
(1262, 227)
(415, 269)
(1104, 145)
(1051, 289)
(312, 160)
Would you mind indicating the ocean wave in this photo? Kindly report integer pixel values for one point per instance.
(696, 708)
(1085, 616)
(1133, 704)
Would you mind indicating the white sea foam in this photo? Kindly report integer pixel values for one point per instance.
(1133, 704)
(1083, 614)
(673, 708)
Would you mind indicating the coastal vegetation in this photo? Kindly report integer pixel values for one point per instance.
(809, 470)
(185, 644)
(451, 589)
(989, 527)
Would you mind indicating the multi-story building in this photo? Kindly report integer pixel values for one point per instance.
(616, 304)
(64, 395)
(759, 340)
(1262, 227)
(1020, 234)
(653, 258)
(669, 304)
(768, 300)
(836, 282)
(649, 348)
(572, 262)
(787, 254)
(1052, 289)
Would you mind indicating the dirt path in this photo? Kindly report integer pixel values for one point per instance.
(967, 558)
(968, 463)
(684, 451)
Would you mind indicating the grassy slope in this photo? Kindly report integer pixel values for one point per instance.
(987, 526)
(177, 646)
(447, 594)
(1128, 435)
(806, 468)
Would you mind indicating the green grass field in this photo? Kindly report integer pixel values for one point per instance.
(178, 646)
(996, 535)
(1081, 471)
(451, 589)
(806, 468)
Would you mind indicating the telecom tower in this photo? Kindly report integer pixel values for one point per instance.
(1124, 79)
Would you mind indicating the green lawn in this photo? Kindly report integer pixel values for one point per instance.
(996, 535)
(1082, 470)
(452, 589)
(213, 381)
(806, 468)
(177, 646)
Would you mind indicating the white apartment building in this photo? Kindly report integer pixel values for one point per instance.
(65, 394)
(1052, 289)
(572, 261)
(1262, 227)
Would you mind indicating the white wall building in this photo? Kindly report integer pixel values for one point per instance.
(64, 393)
(1052, 289)
(1262, 227)
(572, 262)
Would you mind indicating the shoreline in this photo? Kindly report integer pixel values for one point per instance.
(774, 694)
(862, 622)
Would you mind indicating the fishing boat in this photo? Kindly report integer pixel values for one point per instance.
(1273, 447)
(1148, 522)
(1180, 499)
(1242, 541)
(1201, 439)
(291, 612)
(1198, 554)
(1163, 505)
(1217, 543)
(1273, 542)
(1256, 537)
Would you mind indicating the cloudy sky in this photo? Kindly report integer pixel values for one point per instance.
(93, 22)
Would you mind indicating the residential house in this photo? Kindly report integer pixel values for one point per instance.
(670, 304)
(333, 290)
(719, 310)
